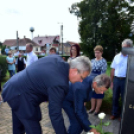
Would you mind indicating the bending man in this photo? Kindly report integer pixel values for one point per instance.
(74, 102)
(48, 76)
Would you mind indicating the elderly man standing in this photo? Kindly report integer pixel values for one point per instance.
(50, 77)
(118, 78)
(31, 56)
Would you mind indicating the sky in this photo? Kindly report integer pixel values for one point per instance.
(45, 16)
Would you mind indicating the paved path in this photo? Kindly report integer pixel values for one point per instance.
(6, 121)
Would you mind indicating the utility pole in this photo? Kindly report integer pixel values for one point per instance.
(17, 40)
(62, 37)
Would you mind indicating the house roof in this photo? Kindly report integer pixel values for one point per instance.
(22, 42)
(9, 42)
(72, 43)
(42, 40)
(55, 45)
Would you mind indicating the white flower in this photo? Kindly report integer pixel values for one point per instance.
(90, 133)
(101, 115)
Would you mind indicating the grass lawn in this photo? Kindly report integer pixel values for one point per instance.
(5, 79)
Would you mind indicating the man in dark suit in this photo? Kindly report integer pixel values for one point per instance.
(79, 93)
(47, 77)
(20, 63)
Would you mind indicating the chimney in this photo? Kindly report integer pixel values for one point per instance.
(24, 36)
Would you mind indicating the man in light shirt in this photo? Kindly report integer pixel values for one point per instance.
(118, 78)
(31, 56)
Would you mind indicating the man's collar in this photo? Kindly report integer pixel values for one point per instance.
(30, 53)
(123, 55)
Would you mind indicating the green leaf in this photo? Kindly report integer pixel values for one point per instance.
(99, 128)
(106, 123)
(92, 126)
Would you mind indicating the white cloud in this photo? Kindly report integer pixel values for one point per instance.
(43, 15)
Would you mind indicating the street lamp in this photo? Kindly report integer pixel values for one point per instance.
(32, 30)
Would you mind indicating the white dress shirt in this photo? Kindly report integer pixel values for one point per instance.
(120, 65)
(31, 57)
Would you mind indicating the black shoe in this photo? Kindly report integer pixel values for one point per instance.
(91, 111)
(96, 113)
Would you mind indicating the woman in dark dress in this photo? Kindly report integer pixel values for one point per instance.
(99, 66)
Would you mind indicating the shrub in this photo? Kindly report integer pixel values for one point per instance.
(3, 66)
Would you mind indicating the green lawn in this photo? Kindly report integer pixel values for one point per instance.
(4, 80)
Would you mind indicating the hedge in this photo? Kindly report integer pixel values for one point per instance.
(3, 66)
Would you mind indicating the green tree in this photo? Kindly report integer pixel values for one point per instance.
(105, 23)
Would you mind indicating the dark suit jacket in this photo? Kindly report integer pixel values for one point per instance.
(77, 95)
(26, 90)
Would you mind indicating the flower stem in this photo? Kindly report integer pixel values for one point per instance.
(101, 125)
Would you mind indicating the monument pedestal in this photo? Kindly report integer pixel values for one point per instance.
(127, 122)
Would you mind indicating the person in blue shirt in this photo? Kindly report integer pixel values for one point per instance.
(11, 64)
(79, 93)
(6, 50)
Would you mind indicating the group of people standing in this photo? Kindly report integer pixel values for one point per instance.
(20, 63)
(64, 85)
(99, 66)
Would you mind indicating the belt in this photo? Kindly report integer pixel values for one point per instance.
(120, 77)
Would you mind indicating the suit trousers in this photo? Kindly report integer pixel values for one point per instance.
(75, 127)
(118, 88)
(20, 126)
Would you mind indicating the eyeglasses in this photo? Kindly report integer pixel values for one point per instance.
(82, 78)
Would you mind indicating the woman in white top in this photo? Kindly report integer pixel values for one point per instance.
(74, 52)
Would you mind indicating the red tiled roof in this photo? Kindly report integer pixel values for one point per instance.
(22, 42)
(44, 40)
(55, 45)
(9, 42)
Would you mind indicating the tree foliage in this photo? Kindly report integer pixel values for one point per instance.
(106, 23)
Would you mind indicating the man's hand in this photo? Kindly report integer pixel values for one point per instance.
(94, 131)
(111, 86)
(85, 103)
